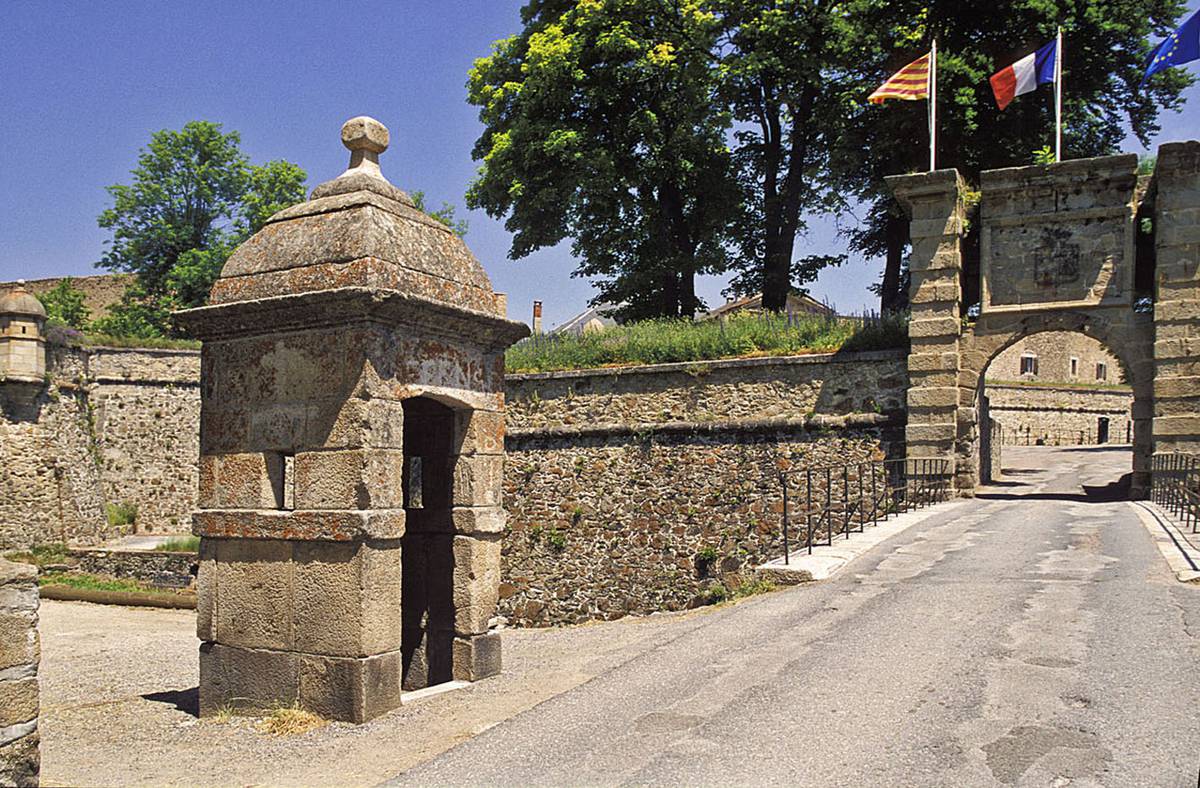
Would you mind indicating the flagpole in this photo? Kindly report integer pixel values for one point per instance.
(933, 106)
(1058, 60)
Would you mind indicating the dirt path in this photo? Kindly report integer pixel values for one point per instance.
(119, 699)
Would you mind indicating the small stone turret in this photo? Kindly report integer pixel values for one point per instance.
(22, 336)
(351, 441)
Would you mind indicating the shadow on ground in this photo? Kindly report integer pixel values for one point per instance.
(185, 700)
(1108, 493)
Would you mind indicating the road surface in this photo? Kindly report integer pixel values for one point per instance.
(1031, 636)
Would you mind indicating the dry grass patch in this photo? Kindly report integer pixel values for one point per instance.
(290, 721)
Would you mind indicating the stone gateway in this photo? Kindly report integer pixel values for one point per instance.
(351, 454)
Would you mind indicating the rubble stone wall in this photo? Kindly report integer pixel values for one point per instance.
(19, 657)
(635, 490)
(1060, 415)
(147, 420)
(50, 484)
(109, 425)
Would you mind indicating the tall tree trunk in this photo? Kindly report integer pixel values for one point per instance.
(671, 202)
(896, 236)
(670, 294)
(777, 279)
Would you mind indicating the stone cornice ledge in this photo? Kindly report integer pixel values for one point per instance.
(345, 306)
(810, 423)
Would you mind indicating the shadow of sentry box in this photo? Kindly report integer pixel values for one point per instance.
(352, 444)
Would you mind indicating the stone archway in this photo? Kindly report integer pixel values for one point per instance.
(1057, 254)
(1130, 340)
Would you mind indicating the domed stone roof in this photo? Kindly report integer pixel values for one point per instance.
(20, 301)
(357, 230)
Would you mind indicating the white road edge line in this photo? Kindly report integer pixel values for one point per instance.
(1182, 558)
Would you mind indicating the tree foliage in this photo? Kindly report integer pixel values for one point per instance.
(445, 214)
(673, 137)
(67, 304)
(1106, 46)
(600, 127)
(193, 198)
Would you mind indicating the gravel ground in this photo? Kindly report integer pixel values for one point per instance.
(119, 701)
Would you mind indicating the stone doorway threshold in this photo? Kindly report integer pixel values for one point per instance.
(826, 561)
(1178, 548)
(430, 692)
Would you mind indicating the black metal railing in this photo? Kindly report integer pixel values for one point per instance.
(1175, 486)
(837, 500)
(1026, 436)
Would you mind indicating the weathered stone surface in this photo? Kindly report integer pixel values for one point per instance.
(20, 762)
(19, 657)
(320, 525)
(347, 344)
(477, 657)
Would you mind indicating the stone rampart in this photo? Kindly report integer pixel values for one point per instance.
(147, 421)
(19, 656)
(633, 490)
(108, 426)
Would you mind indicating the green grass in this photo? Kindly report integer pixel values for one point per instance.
(742, 336)
(93, 582)
(120, 514)
(156, 343)
(42, 554)
(180, 544)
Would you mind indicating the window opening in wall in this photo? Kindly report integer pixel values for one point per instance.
(281, 471)
(413, 498)
(1101, 370)
(1074, 366)
(1029, 364)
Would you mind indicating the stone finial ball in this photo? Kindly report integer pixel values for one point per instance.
(365, 133)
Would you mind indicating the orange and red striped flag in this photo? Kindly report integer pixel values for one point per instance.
(908, 84)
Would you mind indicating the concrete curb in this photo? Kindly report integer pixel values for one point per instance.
(125, 598)
(826, 561)
(1182, 556)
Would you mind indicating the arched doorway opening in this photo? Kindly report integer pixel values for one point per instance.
(1048, 395)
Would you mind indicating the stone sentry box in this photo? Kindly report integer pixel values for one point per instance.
(351, 452)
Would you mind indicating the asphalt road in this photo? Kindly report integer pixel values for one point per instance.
(1032, 636)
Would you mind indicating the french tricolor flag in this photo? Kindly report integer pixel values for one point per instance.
(1026, 74)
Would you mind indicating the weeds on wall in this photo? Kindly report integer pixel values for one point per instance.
(740, 336)
(42, 555)
(180, 544)
(121, 514)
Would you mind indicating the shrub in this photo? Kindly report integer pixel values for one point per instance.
(120, 514)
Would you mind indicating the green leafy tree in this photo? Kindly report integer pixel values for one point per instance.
(599, 126)
(66, 304)
(1106, 46)
(194, 197)
(445, 214)
(785, 69)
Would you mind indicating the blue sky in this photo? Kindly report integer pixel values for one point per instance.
(83, 85)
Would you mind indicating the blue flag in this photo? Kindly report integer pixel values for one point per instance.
(1182, 46)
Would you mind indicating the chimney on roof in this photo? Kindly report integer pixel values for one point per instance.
(537, 317)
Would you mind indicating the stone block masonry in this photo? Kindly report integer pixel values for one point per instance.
(1177, 307)
(634, 490)
(19, 656)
